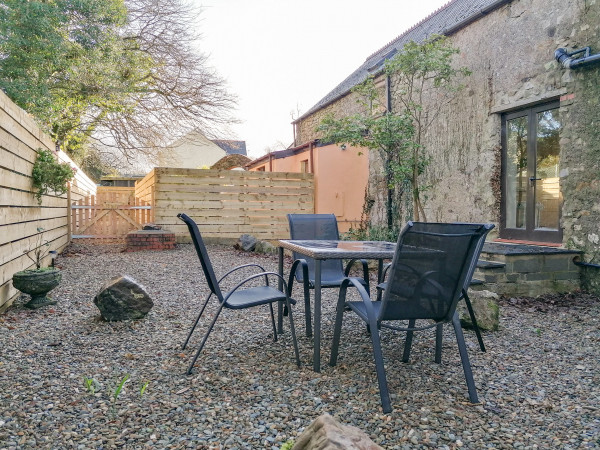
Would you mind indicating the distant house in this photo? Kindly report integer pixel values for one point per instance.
(196, 151)
(341, 175)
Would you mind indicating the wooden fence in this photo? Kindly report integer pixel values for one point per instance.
(109, 215)
(20, 214)
(225, 203)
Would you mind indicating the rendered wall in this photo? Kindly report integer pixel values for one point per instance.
(194, 151)
(340, 177)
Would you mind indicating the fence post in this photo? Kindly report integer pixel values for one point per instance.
(69, 219)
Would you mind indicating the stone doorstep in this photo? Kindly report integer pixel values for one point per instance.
(519, 269)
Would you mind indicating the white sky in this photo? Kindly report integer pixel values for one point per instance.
(282, 56)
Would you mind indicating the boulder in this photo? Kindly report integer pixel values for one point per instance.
(325, 433)
(122, 298)
(264, 247)
(485, 306)
(246, 243)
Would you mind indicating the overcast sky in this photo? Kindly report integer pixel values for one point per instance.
(280, 57)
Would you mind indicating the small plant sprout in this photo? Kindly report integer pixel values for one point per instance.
(119, 388)
(90, 385)
(143, 388)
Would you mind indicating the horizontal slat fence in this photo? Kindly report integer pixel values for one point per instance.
(20, 213)
(225, 203)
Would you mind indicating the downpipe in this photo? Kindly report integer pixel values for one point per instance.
(568, 60)
(577, 261)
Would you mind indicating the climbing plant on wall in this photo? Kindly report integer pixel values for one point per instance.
(397, 127)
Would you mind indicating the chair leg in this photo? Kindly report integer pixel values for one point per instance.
(474, 320)
(464, 356)
(380, 368)
(337, 330)
(307, 313)
(439, 337)
(212, 324)
(195, 323)
(293, 331)
(408, 342)
(273, 322)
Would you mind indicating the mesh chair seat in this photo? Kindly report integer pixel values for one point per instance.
(255, 296)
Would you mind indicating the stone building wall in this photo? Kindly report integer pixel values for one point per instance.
(510, 53)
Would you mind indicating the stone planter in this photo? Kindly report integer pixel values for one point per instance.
(37, 283)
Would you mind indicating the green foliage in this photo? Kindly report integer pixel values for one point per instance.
(66, 63)
(119, 388)
(371, 233)
(399, 135)
(50, 175)
(143, 388)
(91, 385)
(287, 445)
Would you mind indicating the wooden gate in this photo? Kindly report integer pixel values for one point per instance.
(109, 215)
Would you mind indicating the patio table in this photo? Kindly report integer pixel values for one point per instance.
(321, 250)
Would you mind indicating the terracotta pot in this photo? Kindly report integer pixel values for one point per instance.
(37, 283)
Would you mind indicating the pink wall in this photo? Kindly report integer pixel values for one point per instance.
(340, 179)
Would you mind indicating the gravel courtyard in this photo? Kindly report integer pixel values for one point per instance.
(539, 382)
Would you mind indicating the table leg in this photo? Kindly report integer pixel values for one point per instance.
(280, 286)
(317, 324)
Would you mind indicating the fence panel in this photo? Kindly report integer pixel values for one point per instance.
(227, 204)
(20, 214)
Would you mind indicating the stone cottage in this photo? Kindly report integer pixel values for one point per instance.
(533, 96)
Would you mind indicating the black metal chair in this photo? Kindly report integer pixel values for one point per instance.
(430, 267)
(318, 227)
(464, 294)
(237, 298)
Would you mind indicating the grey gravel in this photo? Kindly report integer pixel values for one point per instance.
(539, 382)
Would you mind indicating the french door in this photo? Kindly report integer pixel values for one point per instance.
(531, 197)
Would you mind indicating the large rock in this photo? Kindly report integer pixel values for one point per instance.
(485, 306)
(246, 243)
(325, 433)
(265, 247)
(122, 298)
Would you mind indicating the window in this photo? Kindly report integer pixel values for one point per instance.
(304, 166)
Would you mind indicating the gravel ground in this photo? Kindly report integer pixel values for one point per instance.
(539, 382)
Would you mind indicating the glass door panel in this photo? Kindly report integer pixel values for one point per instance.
(516, 172)
(547, 189)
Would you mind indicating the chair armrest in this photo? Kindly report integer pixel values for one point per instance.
(365, 267)
(366, 298)
(241, 267)
(304, 265)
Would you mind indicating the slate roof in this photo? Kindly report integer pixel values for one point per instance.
(451, 17)
(231, 147)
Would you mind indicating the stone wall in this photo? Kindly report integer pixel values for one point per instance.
(510, 53)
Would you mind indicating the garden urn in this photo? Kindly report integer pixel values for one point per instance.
(37, 283)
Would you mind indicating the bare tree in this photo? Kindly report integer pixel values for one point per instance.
(179, 91)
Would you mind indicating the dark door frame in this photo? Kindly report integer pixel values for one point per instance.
(529, 233)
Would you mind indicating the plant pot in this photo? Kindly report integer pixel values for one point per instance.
(37, 283)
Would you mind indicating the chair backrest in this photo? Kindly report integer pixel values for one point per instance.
(207, 268)
(430, 267)
(316, 227)
(478, 249)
